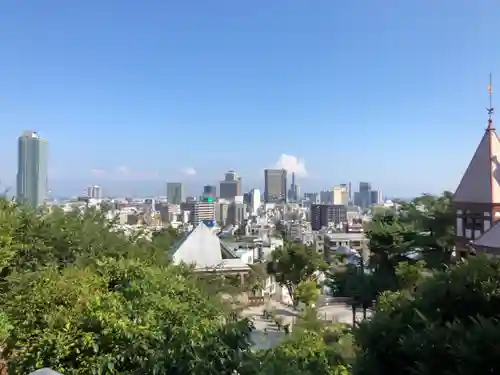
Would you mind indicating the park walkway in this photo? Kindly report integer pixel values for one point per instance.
(266, 333)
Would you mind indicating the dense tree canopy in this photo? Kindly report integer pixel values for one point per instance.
(121, 316)
(306, 353)
(294, 264)
(448, 325)
(417, 231)
(81, 297)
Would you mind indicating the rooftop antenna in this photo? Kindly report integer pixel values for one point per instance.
(490, 110)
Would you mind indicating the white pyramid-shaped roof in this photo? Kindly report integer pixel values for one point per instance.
(481, 181)
(45, 371)
(204, 249)
(201, 247)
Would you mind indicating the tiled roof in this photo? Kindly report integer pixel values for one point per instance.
(481, 181)
(490, 238)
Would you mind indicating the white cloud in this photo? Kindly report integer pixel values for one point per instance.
(189, 171)
(292, 164)
(123, 171)
(97, 172)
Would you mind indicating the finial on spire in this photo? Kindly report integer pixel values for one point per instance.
(490, 110)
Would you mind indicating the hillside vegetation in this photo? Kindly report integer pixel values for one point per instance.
(81, 298)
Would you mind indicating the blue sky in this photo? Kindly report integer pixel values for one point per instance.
(140, 92)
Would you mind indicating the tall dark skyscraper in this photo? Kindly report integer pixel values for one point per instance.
(363, 197)
(293, 192)
(209, 191)
(275, 185)
(322, 215)
(32, 169)
(231, 186)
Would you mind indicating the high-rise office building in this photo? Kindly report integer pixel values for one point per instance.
(293, 193)
(365, 187)
(176, 192)
(236, 213)
(312, 198)
(210, 191)
(341, 195)
(94, 192)
(326, 196)
(363, 197)
(32, 177)
(229, 189)
(322, 215)
(376, 197)
(231, 186)
(275, 185)
(231, 176)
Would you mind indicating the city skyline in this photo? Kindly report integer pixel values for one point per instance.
(90, 190)
(343, 104)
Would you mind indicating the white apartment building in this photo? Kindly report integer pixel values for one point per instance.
(255, 200)
(202, 211)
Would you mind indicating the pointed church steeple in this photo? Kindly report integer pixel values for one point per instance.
(477, 197)
(481, 180)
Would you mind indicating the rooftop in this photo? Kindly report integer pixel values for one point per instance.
(204, 249)
(481, 180)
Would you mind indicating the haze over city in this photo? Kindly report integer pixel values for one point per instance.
(132, 95)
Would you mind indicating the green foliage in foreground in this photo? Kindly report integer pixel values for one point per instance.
(81, 298)
(5, 327)
(448, 325)
(119, 318)
(305, 353)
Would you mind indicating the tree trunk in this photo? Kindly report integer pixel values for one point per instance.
(290, 292)
(353, 315)
(364, 313)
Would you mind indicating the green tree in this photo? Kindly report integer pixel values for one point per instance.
(391, 239)
(31, 239)
(257, 277)
(122, 317)
(436, 220)
(356, 282)
(422, 229)
(361, 287)
(294, 263)
(410, 274)
(447, 325)
(305, 353)
(307, 292)
(5, 328)
(81, 297)
(165, 238)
